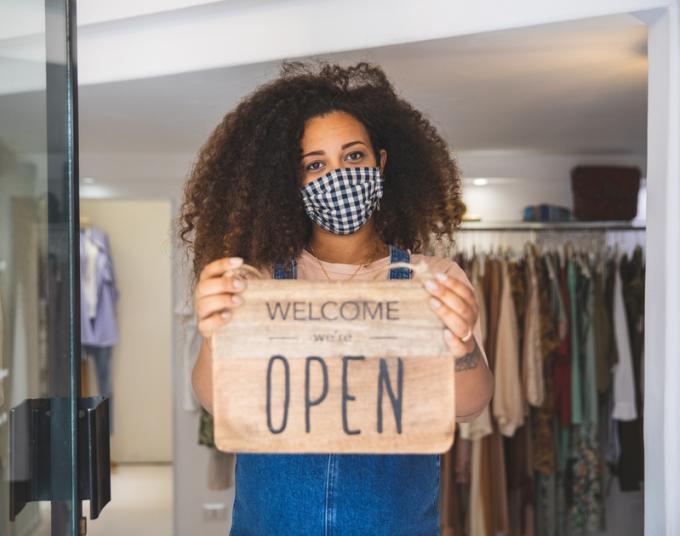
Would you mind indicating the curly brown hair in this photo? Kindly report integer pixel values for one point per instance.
(242, 197)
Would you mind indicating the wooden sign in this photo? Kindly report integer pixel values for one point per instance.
(314, 366)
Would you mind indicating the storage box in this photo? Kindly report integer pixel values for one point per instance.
(605, 193)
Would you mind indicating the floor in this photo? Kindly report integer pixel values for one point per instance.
(141, 503)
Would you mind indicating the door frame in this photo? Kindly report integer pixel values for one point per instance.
(662, 288)
(63, 232)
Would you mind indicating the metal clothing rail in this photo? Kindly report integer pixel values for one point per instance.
(571, 226)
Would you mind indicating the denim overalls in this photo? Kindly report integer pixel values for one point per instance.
(337, 494)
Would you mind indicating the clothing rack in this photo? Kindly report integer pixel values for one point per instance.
(569, 226)
(492, 236)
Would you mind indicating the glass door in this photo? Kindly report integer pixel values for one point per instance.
(47, 450)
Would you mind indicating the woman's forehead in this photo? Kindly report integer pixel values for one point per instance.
(332, 128)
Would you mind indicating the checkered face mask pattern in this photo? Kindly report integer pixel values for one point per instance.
(342, 200)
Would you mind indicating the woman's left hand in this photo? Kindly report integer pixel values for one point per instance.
(456, 305)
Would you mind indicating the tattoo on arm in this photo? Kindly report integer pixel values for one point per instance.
(469, 361)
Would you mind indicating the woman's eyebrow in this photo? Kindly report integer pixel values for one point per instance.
(352, 143)
(348, 144)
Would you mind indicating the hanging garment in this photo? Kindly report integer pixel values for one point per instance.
(480, 498)
(89, 288)
(625, 408)
(562, 382)
(546, 505)
(348, 493)
(589, 381)
(493, 488)
(220, 470)
(587, 502)
(576, 309)
(603, 332)
(206, 432)
(550, 312)
(102, 328)
(476, 280)
(562, 360)
(532, 360)
(611, 267)
(457, 478)
(553, 330)
(450, 514)
(191, 344)
(567, 458)
(507, 405)
(462, 461)
(517, 276)
(478, 429)
(516, 446)
(631, 462)
(481, 426)
(476, 517)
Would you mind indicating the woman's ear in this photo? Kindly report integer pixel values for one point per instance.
(383, 159)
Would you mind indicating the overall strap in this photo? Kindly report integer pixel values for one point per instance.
(285, 271)
(282, 271)
(399, 255)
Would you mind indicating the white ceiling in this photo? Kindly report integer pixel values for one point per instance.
(569, 87)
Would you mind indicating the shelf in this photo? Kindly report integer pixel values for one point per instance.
(552, 226)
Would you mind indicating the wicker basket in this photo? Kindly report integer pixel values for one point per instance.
(605, 193)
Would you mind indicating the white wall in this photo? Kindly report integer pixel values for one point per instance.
(518, 179)
(662, 286)
(191, 463)
(140, 247)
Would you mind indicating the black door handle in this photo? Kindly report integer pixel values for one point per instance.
(32, 477)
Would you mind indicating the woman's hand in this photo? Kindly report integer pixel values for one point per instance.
(216, 295)
(456, 305)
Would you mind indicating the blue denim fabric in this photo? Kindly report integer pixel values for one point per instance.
(337, 494)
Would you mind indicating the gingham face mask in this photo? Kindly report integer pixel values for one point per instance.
(342, 200)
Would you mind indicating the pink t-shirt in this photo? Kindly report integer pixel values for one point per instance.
(308, 268)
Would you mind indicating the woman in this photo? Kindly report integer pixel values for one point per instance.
(325, 173)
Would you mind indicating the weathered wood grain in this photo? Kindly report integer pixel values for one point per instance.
(368, 372)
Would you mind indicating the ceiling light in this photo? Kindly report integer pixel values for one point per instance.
(480, 182)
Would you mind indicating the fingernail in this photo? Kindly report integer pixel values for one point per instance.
(431, 285)
(448, 335)
(441, 276)
(435, 303)
(238, 283)
(235, 261)
(237, 300)
(225, 314)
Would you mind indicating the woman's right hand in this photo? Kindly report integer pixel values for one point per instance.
(216, 295)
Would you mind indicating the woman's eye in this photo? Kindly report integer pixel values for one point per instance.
(312, 166)
(353, 155)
